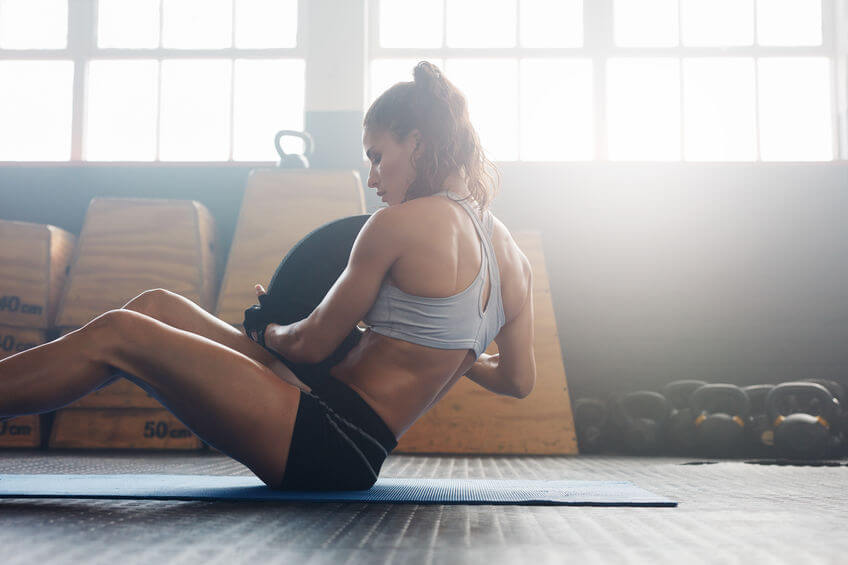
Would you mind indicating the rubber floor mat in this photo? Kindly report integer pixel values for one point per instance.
(387, 490)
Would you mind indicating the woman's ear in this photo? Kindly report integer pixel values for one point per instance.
(416, 139)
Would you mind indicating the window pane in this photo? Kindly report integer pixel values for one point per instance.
(197, 24)
(262, 24)
(646, 23)
(490, 88)
(411, 23)
(551, 23)
(268, 97)
(717, 23)
(481, 23)
(789, 22)
(129, 25)
(35, 110)
(557, 116)
(195, 115)
(386, 72)
(795, 109)
(121, 110)
(33, 24)
(643, 109)
(719, 109)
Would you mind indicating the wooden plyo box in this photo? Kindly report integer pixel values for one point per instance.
(23, 431)
(129, 245)
(34, 260)
(278, 209)
(14, 340)
(471, 419)
(121, 428)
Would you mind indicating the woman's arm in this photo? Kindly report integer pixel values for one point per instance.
(485, 373)
(312, 339)
(511, 371)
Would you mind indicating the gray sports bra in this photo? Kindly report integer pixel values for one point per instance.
(452, 322)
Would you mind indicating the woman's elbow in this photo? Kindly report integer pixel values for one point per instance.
(525, 387)
(527, 381)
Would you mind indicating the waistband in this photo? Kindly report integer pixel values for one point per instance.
(347, 403)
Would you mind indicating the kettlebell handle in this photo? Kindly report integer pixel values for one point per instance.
(805, 389)
(720, 398)
(644, 404)
(593, 406)
(678, 393)
(757, 396)
(309, 143)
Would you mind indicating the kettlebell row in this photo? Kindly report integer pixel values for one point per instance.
(802, 419)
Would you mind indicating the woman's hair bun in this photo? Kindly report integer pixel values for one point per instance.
(426, 75)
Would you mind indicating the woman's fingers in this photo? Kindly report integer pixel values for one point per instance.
(259, 289)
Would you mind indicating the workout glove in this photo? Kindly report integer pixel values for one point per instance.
(257, 318)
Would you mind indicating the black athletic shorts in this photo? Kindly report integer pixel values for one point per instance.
(338, 442)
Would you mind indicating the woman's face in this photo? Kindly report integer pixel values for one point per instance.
(391, 163)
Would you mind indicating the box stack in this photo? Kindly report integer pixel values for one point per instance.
(127, 246)
(35, 260)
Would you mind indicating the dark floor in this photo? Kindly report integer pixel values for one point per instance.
(729, 512)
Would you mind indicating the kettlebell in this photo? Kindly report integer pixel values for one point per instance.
(759, 435)
(720, 412)
(294, 160)
(839, 426)
(680, 430)
(590, 418)
(641, 417)
(802, 413)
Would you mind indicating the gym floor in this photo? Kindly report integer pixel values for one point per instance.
(729, 512)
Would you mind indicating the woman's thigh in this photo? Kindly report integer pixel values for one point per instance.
(180, 312)
(231, 401)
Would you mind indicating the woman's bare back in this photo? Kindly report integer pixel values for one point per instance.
(442, 256)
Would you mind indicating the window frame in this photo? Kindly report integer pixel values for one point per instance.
(599, 47)
(82, 49)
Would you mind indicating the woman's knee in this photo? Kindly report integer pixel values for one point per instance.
(110, 329)
(110, 320)
(152, 302)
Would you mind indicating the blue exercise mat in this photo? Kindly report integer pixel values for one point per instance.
(387, 490)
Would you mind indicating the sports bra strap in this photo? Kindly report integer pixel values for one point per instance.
(485, 235)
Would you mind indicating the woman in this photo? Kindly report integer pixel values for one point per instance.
(433, 275)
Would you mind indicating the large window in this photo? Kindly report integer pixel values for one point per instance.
(148, 80)
(547, 80)
(629, 80)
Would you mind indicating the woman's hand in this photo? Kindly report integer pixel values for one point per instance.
(260, 290)
(269, 329)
